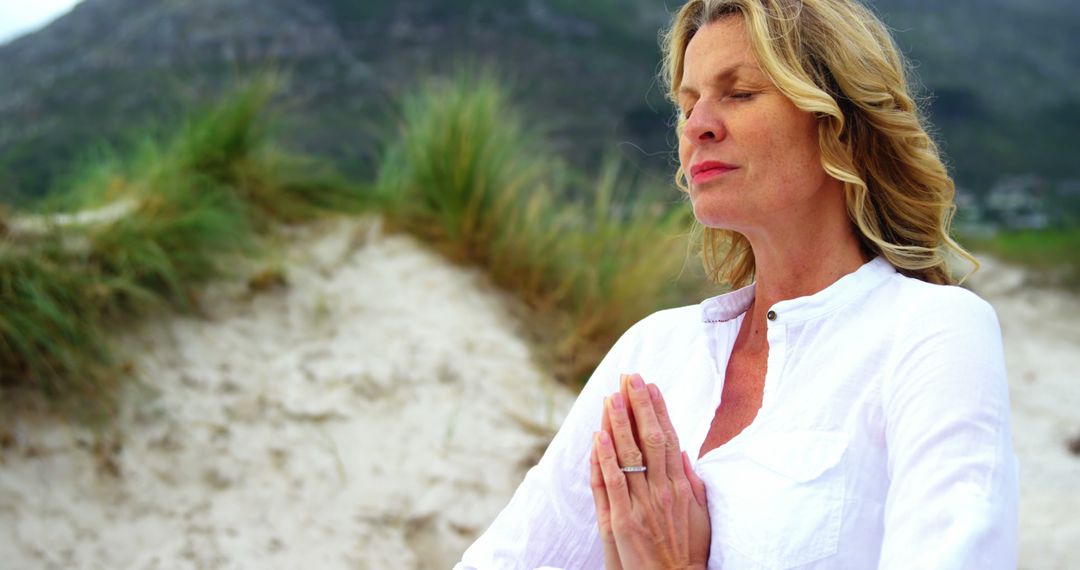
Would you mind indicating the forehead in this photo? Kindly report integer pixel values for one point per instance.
(718, 47)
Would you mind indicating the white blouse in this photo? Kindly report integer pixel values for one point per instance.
(883, 439)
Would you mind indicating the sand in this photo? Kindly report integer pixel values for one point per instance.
(1041, 334)
(377, 412)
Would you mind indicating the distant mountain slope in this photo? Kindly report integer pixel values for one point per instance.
(1014, 55)
(1005, 80)
(111, 66)
(1005, 75)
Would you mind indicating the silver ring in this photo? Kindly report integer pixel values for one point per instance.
(633, 469)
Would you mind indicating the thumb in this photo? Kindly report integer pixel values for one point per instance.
(697, 486)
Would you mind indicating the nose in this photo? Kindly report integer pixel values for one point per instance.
(704, 125)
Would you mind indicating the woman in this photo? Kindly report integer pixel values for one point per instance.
(848, 408)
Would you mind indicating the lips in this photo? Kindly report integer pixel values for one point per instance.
(709, 169)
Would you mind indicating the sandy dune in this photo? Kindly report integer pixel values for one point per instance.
(377, 413)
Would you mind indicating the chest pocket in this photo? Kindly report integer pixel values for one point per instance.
(782, 497)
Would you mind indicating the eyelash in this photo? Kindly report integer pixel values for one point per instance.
(738, 96)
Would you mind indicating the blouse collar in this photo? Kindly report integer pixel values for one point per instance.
(844, 290)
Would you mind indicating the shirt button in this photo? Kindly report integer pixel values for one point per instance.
(771, 315)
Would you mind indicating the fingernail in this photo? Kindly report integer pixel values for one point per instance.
(604, 439)
(618, 402)
(637, 382)
(654, 392)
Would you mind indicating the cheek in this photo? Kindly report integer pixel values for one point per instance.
(684, 154)
(806, 158)
(803, 135)
(790, 155)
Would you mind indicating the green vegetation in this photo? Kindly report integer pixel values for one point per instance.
(465, 174)
(1052, 254)
(193, 202)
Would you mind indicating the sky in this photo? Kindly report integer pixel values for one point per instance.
(18, 17)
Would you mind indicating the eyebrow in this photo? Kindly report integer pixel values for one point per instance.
(718, 77)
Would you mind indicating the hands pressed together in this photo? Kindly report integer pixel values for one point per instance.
(655, 518)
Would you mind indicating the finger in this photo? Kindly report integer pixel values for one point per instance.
(624, 388)
(605, 419)
(615, 484)
(596, 482)
(673, 453)
(603, 510)
(650, 436)
(625, 444)
(696, 484)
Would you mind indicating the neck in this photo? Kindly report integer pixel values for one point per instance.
(790, 266)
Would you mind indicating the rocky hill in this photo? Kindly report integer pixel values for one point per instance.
(1003, 75)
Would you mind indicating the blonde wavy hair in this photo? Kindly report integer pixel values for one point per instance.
(835, 59)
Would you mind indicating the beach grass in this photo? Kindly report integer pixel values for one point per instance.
(468, 174)
(191, 204)
(587, 254)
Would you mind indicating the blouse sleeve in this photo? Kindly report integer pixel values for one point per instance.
(550, 522)
(953, 493)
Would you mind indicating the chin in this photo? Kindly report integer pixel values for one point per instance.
(711, 216)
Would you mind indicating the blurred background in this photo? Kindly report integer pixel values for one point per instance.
(311, 283)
